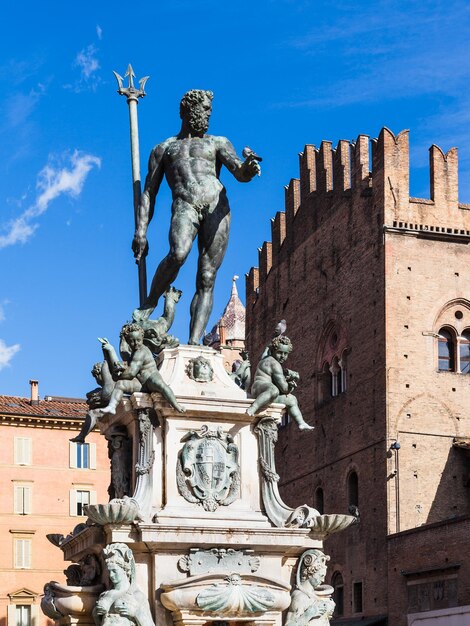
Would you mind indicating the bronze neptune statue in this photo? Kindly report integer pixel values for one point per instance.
(191, 162)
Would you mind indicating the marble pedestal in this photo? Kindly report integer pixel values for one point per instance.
(211, 537)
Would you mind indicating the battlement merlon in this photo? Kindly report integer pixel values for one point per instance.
(265, 262)
(307, 168)
(361, 173)
(324, 167)
(292, 199)
(251, 287)
(278, 233)
(444, 177)
(342, 165)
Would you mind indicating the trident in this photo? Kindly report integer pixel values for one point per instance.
(132, 94)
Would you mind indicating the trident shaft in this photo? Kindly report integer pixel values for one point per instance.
(132, 94)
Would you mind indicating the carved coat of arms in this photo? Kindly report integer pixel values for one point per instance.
(207, 471)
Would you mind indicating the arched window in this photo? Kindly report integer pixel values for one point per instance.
(319, 500)
(353, 489)
(344, 371)
(323, 387)
(335, 371)
(464, 344)
(338, 593)
(446, 351)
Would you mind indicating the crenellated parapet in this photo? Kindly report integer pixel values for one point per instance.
(361, 177)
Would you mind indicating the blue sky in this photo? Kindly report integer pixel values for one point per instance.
(284, 73)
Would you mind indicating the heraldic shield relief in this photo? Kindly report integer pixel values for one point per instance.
(207, 471)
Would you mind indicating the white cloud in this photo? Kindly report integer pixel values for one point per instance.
(2, 309)
(99, 32)
(7, 353)
(53, 181)
(87, 62)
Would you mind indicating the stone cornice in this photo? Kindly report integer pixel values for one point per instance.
(40, 421)
(425, 231)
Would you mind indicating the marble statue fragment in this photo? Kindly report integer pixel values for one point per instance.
(311, 601)
(191, 162)
(124, 603)
(273, 383)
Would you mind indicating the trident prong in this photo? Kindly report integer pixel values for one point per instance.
(130, 91)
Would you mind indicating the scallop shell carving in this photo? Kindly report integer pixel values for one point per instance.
(235, 598)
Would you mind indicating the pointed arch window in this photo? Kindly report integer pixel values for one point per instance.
(344, 371)
(353, 489)
(464, 350)
(323, 384)
(319, 500)
(335, 371)
(338, 593)
(446, 350)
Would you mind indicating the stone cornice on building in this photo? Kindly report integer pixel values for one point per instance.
(426, 231)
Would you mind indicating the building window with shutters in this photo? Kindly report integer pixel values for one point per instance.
(23, 450)
(22, 498)
(22, 549)
(23, 609)
(79, 498)
(83, 498)
(23, 615)
(82, 455)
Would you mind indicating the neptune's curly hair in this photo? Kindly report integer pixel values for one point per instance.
(192, 97)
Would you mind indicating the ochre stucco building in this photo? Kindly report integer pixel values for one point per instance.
(45, 482)
(374, 286)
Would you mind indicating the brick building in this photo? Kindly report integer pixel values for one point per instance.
(374, 287)
(46, 480)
